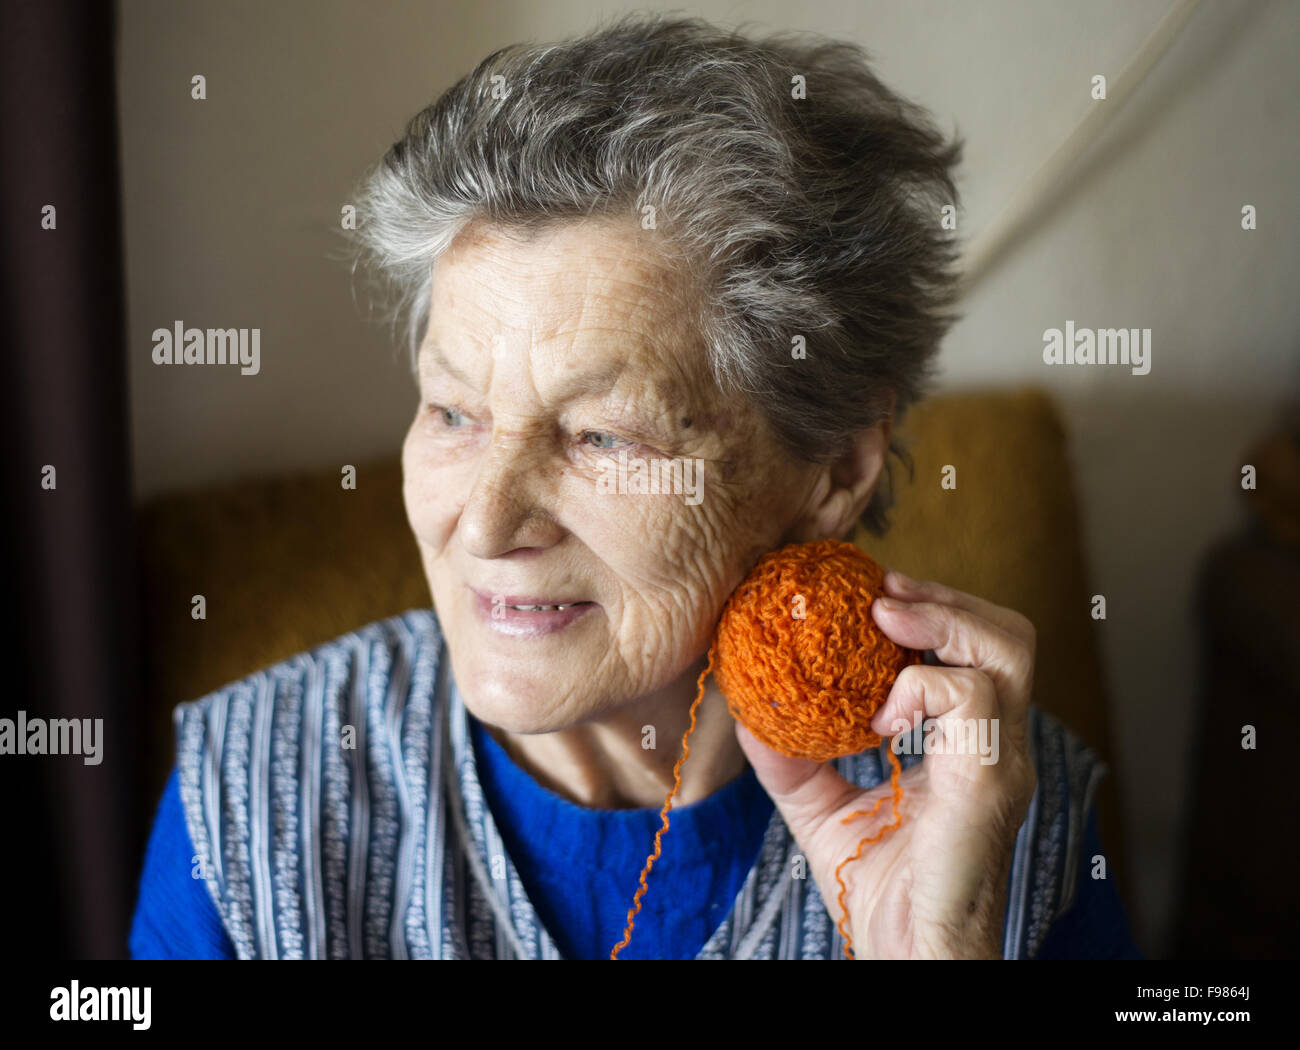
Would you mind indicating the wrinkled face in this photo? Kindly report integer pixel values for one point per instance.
(549, 364)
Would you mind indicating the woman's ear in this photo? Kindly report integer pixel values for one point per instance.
(843, 488)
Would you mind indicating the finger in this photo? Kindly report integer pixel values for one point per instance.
(965, 696)
(922, 693)
(807, 794)
(959, 706)
(962, 639)
(1017, 624)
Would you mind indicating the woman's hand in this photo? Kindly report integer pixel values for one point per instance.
(936, 886)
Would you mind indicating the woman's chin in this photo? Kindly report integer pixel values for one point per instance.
(520, 703)
(513, 719)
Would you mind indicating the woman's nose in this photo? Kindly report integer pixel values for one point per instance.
(511, 505)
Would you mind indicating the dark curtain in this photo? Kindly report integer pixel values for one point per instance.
(71, 836)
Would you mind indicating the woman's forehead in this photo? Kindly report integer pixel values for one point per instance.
(613, 266)
(583, 297)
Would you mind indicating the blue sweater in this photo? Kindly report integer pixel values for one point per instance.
(557, 846)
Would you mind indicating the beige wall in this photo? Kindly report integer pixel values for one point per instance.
(232, 207)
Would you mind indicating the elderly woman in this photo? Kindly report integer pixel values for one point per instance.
(666, 243)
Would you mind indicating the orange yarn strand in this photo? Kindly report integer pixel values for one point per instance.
(668, 804)
(898, 797)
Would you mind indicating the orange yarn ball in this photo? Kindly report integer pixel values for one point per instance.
(799, 658)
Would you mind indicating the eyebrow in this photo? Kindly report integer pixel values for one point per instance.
(583, 384)
(433, 352)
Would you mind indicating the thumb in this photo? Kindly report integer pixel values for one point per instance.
(806, 793)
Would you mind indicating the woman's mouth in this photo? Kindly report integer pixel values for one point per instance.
(528, 615)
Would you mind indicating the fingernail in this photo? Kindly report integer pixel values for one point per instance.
(891, 604)
(901, 580)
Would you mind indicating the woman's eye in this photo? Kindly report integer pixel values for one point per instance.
(599, 439)
(450, 417)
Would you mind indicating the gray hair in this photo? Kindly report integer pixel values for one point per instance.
(816, 216)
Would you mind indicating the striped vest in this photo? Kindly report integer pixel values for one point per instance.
(335, 806)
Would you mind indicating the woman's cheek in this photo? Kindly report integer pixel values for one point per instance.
(662, 550)
(433, 477)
